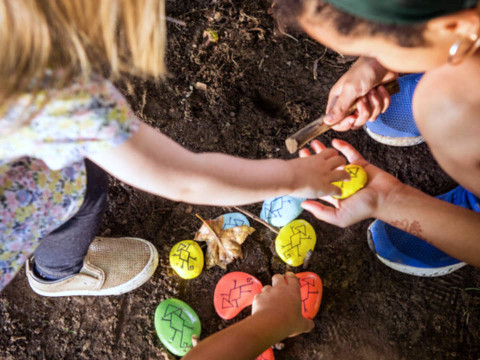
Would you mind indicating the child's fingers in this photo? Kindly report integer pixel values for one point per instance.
(364, 111)
(292, 279)
(336, 161)
(266, 288)
(352, 155)
(328, 153)
(385, 96)
(339, 175)
(376, 104)
(309, 325)
(303, 153)
(317, 146)
(333, 190)
(278, 279)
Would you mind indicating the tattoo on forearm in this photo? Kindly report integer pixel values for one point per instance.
(413, 227)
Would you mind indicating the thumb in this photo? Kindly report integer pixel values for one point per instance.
(340, 106)
(309, 325)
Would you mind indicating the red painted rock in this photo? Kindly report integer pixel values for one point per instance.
(267, 355)
(234, 292)
(311, 289)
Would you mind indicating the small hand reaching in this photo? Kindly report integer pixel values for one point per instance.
(313, 176)
(283, 301)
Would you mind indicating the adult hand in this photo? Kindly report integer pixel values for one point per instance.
(283, 301)
(359, 83)
(366, 203)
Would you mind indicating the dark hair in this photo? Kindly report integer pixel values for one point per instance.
(286, 13)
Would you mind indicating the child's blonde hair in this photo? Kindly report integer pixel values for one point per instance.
(77, 37)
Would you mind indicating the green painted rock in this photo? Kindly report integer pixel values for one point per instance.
(175, 323)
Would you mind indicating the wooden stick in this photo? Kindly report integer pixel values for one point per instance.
(317, 127)
(256, 218)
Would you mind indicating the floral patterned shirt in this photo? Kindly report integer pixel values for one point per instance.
(42, 171)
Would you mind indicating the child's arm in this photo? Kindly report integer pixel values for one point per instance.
(450, 228)
(276, 314)
(152, 162)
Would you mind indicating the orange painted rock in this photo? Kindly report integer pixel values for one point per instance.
(266, 355)
(311, 290)
(234, 292)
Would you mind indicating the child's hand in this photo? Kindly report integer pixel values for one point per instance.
(359, 83)
(313, 176)
(366, 203)
(283, 301)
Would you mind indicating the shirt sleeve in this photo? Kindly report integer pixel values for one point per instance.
(74, 123)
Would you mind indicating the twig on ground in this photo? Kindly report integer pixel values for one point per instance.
(315, 64)
(290, 36)
(306, 261)
(256, 218)
(175, 21)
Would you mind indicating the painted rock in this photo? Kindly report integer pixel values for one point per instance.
(234, 219)
(186, 258)
(311, 289)
(234, 292)
(175, 323)
(294, 241)
(358, 180)
(281, 210)
(266, 355)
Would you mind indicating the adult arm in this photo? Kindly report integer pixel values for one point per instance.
(450, 228)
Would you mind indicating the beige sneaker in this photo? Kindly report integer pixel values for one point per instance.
(113, 266)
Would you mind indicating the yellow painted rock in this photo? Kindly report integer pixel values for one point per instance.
(186, 258)
(294, 241)
(358, 180)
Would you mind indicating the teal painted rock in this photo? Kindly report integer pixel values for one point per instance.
(231, 220)
(175, 323)
(281, 210)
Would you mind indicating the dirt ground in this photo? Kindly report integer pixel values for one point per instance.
(260, 89)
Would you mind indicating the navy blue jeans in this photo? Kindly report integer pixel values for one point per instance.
(61, 252)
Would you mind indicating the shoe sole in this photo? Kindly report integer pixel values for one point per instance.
(412, 270)
(141, 278)
(394, 141)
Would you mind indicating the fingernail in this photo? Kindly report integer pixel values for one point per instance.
(351, 121)
(328, 119)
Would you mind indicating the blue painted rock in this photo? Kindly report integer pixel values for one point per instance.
(186, 258)
(231, 220)
(281, 210)
(175, 323)
(294, 241)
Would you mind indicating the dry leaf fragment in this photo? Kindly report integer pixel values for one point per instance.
(224, 246)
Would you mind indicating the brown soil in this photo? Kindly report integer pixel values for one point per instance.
(260, 88)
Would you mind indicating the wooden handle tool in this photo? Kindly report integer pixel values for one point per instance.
(317, 127)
